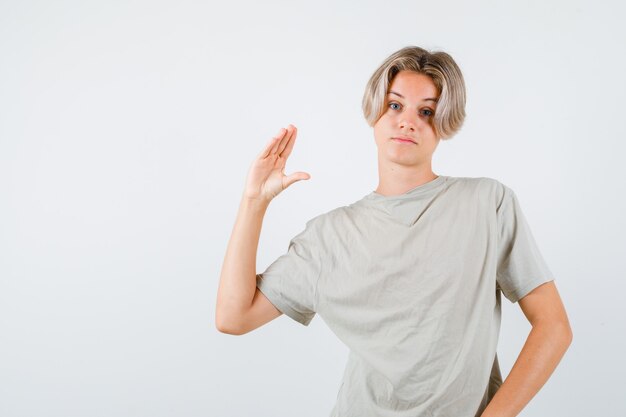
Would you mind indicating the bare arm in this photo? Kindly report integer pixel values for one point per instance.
(240, 306)
(547, 342)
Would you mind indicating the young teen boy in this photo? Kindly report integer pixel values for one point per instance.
(410, 276)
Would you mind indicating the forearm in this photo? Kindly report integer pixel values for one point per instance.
(238, 276)
(545, 346)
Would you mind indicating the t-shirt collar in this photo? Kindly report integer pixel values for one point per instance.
(409, 206)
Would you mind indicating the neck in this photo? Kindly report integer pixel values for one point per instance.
(396, 179)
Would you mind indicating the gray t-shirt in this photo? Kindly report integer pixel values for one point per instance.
(411, 284)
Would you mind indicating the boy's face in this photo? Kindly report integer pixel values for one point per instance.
(409, 116)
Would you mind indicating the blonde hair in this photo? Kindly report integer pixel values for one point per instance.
(440, 67)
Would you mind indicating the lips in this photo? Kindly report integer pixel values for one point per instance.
(403, 139)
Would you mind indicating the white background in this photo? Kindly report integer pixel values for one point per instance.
(126, 132)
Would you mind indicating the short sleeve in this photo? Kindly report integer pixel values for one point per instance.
(290, 282)
(521, 267)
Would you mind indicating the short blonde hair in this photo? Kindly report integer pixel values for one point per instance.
(440, 67)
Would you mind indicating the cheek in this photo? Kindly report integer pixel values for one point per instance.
(383, 123)
(378, 129)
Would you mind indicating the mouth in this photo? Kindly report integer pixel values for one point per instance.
(403, 139)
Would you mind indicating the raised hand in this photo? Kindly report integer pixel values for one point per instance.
(266, 177)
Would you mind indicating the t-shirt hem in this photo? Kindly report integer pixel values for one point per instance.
(280, 304)
(518, 295)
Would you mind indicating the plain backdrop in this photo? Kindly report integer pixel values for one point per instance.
(126, 132)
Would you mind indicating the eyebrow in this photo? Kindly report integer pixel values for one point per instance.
(426, 99)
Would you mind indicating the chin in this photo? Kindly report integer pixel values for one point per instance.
(407, 160)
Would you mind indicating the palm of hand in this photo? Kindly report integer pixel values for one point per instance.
(267, 178)
(272, 168)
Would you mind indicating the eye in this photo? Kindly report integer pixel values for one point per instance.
(428, 112)
(393, 103)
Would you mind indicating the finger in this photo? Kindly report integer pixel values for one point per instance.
(296, 176)
(271, 144)
(268, 147)
(285, 138)
(287, 150)
(285, 142)
(285, 133)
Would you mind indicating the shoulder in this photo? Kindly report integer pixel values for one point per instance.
(476, 182)
(485, 189)
(331, 217)
(339, 221)
(482, 184)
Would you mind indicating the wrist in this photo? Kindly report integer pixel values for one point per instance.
(255, 204)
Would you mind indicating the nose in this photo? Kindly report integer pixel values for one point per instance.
(406, 120)
(406, 123)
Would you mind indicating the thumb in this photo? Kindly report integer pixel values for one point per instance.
(296, 176)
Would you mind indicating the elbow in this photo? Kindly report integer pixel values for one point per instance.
(229, 330)
(569, 335)
(563, 332)
(226, 326)
(558, 332)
